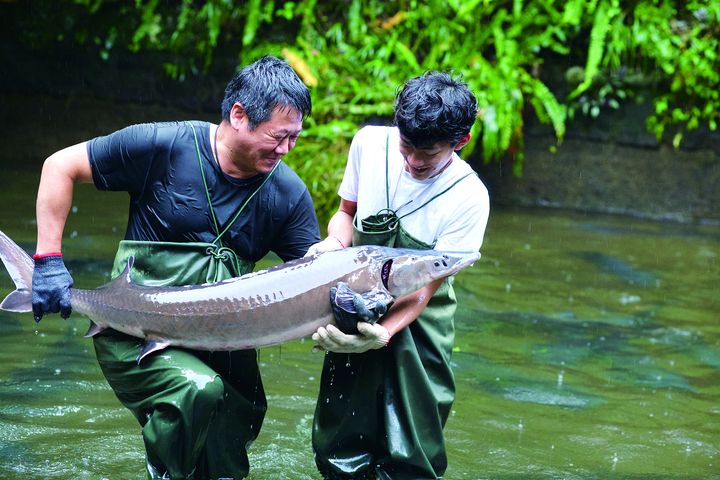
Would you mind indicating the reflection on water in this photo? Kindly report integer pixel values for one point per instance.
(587, 347)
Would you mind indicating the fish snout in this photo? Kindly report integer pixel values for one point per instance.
(451, 263)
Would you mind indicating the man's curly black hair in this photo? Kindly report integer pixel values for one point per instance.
(434, 108)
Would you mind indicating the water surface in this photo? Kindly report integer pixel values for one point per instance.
(587, 347)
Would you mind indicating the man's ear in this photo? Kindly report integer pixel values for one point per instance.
(463, 141)
(238, 117)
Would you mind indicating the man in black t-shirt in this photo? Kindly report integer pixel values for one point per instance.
(168, 195)
(217, 198)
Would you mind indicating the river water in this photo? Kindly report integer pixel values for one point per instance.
(587, 347)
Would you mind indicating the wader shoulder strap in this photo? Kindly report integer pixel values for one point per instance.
(218, 238)
(437, 195)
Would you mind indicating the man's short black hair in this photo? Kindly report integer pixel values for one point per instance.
(434, 108)
(263, 86)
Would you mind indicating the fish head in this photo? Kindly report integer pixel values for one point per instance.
(411, 270)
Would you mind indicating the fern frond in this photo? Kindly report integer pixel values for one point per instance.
(543, 100)
(601, 25)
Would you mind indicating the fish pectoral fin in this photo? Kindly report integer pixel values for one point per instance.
(350, 307)
(344, 297)
(152, 345)
(94, 329)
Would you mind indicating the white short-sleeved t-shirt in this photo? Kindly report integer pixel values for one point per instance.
(453, 222)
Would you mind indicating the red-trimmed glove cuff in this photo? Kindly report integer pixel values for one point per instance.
(38, 256)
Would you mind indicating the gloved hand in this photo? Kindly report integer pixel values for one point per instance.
(51, 284)
(372, 336)
(350, 307)
(330, 243)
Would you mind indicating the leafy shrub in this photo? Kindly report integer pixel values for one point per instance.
(354, 54)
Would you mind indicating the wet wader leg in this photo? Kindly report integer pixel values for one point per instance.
(419, 395)
(401, 397)
(415, 411)
(346, 430)
(173, 395)
(237, 422)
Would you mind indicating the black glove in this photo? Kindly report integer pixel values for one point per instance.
(51, 284)
(350, 307)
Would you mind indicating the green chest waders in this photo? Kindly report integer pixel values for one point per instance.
(380, 414)
(199, 410)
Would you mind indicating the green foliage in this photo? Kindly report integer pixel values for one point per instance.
(607, 89)
(354, 54)
(668, 48)
(603, 12)
(686, 49)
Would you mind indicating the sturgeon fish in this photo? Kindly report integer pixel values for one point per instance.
(267, 307)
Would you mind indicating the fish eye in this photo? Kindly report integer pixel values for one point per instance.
(437, 264)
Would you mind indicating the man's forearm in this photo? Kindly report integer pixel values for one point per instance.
(407, 308)
(53, 205)
(55, 194)
(340, 227)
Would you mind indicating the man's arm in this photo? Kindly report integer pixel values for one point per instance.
(406, 309)
(340, 225)
(51, 280)
(60, 172)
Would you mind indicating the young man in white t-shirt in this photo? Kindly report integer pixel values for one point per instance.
(382, 403)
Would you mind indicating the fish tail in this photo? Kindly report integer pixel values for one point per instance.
(20, 267)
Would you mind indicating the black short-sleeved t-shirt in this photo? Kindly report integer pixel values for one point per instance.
(157, 164)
